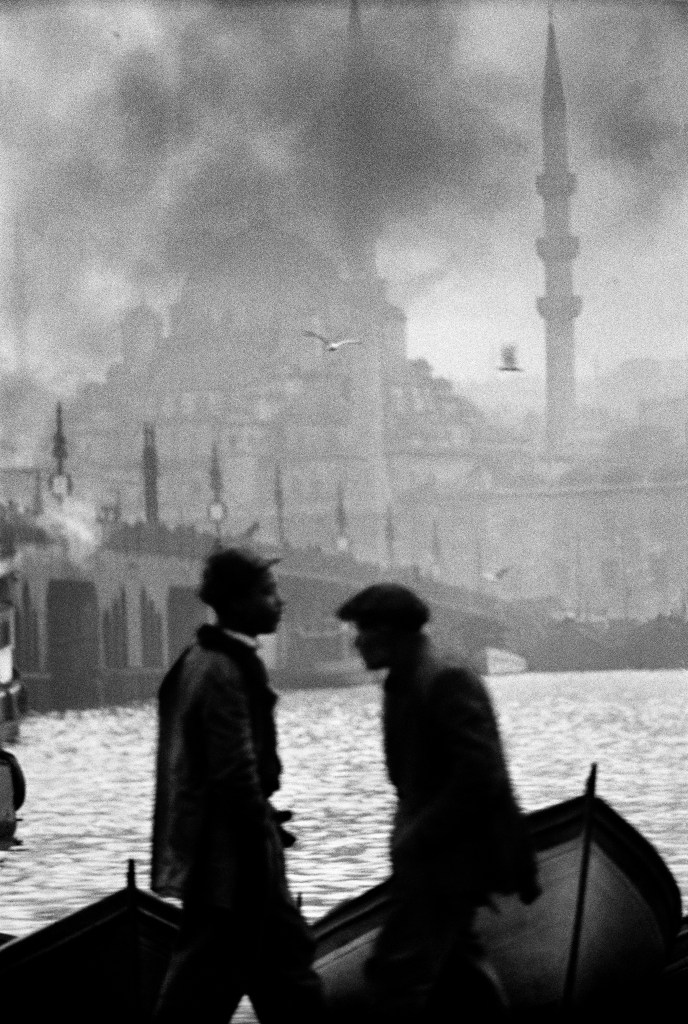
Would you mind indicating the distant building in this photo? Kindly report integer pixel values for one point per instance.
(237, 370)
(669, 413)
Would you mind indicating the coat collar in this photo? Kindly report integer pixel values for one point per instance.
(213, 638)
(400, 676)
(243, 638)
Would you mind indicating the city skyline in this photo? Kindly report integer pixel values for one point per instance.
(104, 146)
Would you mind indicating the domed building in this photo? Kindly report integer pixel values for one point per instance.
(241, 366)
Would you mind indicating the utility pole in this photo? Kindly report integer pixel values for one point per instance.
(579, 578)
(279, 507)
(217, 510)
(60, 481)
(150, 474)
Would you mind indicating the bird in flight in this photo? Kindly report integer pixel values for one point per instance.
(498, 574)
(331, 344)
(509, 361)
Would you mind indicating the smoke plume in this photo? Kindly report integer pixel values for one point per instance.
(138, 138)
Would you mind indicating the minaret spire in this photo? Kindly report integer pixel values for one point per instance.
(557, 249)
(553, 92)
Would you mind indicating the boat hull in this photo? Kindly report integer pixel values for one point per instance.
(107, 961)
(498, 662)
(631, 915)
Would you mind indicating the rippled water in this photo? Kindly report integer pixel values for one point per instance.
(90, 777)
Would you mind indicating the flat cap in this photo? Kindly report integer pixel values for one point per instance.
(388, 605)
(229, 574)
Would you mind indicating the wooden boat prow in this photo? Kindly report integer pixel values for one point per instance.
(631, 916)
(104, 962)
(107, 961)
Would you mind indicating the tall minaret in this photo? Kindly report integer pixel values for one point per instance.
(557, 249)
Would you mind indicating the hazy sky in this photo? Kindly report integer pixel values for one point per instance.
(135, 136)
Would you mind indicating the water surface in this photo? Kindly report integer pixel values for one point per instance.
(90, 781)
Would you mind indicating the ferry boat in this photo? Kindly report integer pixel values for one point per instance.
(315, 658)
(498, 662)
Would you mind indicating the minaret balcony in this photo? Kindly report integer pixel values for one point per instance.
(559, 307)
(556, 184)
(557, 248)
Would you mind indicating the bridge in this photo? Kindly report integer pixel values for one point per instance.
(314, 582)
(102, 629)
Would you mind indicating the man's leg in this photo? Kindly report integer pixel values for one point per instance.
(206, 976)
(467, 986)
(422, 960)
(283, 984)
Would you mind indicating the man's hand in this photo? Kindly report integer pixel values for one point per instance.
(286, 838)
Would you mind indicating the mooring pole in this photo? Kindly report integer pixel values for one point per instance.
(588, 816)
(135, 1002)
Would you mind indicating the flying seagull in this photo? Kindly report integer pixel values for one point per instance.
(509, 362)
(331, 344)
(497, 574)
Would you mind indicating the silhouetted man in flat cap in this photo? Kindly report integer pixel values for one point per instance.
(458, 835)
(217, 841)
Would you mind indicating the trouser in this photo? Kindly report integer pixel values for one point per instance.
(225, 954)
(426, 962)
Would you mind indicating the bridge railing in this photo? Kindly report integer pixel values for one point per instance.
(313, 562)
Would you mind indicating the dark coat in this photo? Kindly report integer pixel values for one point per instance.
(458, 828)
(217, 766)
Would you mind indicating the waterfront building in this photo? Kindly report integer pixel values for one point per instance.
(234, 365)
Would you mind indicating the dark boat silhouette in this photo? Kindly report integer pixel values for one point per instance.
(601, 931)
(607, 931)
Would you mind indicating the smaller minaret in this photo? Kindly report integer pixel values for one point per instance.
(150, 474)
